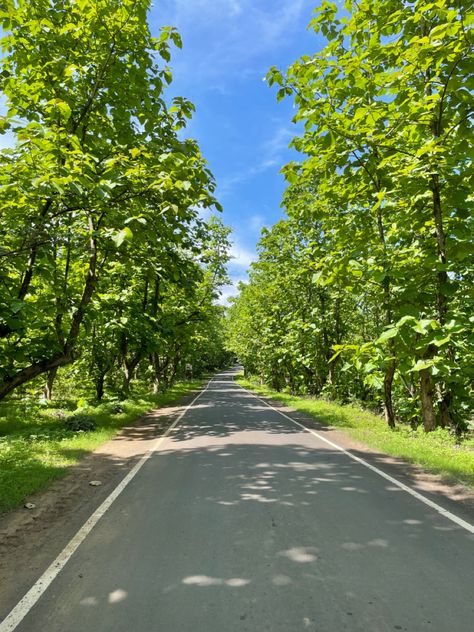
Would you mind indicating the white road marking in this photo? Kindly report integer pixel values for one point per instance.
(19, 612)
(441, 510)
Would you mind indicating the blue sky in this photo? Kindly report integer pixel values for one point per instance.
(228, 46)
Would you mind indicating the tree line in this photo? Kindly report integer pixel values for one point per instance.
(365, 291)
(106, 261)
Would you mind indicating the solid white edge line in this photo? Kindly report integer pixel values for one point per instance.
(444, 512)
(19, 612)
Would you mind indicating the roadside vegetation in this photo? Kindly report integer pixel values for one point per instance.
(364, 293)
(41, 440)
(109, 275)
(440, 451)
(105, 260)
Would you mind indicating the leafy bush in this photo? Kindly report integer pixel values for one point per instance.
(116, 409)
(81, 422)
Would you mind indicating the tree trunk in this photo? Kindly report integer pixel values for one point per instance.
(129, 367)
(159, 371)
(67, 356)
(127, 376)
(174, 370)
(155, 362)
(388, 318)
(48, 387)
(387, 393)
(276, 381)
(328, 352)
(99, 386)
(426, 395)
(332, 372)
(89, 287)
(445, 408)
(442, 279)
(27, 277)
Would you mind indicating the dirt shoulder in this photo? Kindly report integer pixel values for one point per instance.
(30, 539)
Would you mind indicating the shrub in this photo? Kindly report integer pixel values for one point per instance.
(81, 422)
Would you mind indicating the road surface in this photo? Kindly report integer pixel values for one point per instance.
(243, 521)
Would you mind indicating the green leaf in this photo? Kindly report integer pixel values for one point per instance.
(388, 334)
(422, 364)
(122, 235)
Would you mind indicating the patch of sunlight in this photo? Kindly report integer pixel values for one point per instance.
(301, 554)
(116, 596)
(206, 580)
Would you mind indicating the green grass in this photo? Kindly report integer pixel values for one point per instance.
(437, 451)
(36, 448)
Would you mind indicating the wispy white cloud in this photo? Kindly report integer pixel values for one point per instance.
(256, 223)
(227, 184)
(229, 291)
(271, 155)
(279, 142)
(237, 31)
(241, 257)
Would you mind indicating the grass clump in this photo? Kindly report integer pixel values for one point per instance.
(81, 423)
(39, 440)
(438, 451)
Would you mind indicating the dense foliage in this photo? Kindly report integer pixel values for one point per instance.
(104, 258)
(366, 290)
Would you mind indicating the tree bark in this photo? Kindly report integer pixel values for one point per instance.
(159, 370)
(442, 279)
(129, 367)
(48, 387)
(6, 330)
(99, 386)
(426, 396)
(26, 281)
(444, 408)
(388, 317)
(87, 293)
(127, 376)
(174, 369)
(387, 393)
(276, 381)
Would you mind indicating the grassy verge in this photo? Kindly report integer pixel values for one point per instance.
(36, 447)
(438, 451)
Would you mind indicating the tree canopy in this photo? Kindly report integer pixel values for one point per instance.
(105, 257)
(374, 298)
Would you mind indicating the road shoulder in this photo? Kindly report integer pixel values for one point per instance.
(31, 538)
(455, 497)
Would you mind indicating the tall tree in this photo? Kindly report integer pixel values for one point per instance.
(387, 106)
(97, 163)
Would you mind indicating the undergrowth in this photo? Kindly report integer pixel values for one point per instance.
(39, 440)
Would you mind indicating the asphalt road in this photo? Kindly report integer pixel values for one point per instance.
(242, 521)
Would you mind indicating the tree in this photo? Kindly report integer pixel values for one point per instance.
(387, 107)
(96, 166)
